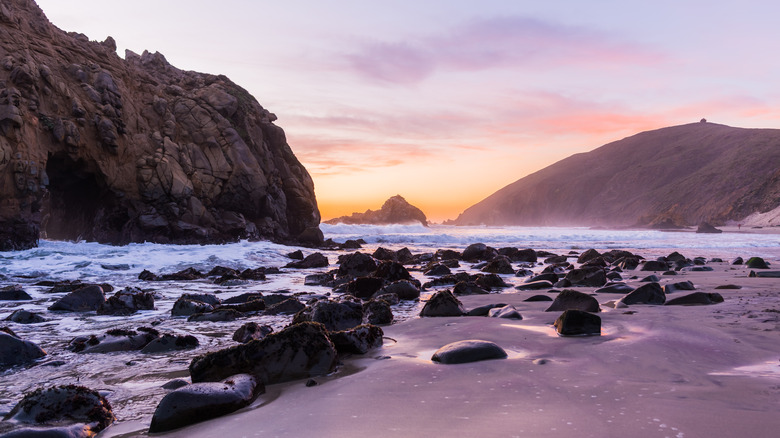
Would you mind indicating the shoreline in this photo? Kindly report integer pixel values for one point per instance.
(681, 371)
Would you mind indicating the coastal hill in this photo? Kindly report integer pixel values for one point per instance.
(675, 176)
(96, 147)
(394, 211)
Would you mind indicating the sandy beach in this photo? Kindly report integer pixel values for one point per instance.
(656, 371)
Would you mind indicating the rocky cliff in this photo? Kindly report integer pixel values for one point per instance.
(96, 147)
(676, 176)
(396, 210)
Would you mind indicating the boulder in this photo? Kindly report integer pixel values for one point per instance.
(404, 289)
(484, 310)
(468, 288)
(169, 342)
(695, 299)
(578, 323)
(588, 256)
(358, 340)
(437, 270)
(187, 307)
(364, 287)
(535, 285)
(299, 351)
(315, 260)
(551, 277)
(289, 306)
(203, 401)
(470, 350)
(334, 316)
(655, 265)
(356, 265)
(377, 312)
(251, 331)
(534, 298)
(22, 316)
(615, 288)
(114, 340)
(64, 405)
(477, 252)
(15, 351)
(216, 315)
(490, 281)
(756, 263)
(570, 299)
(126, 302)
(499, 265)
(507, 312)
(589, 277)
(209, 299)
(682, 285)
(650, 293)
(765, 274)
(86, 299)
(13, 293)
(443, 303)
(391, 271)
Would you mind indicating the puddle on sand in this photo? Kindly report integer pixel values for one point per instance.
(770, 369)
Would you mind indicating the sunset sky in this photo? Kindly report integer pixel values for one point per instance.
(445, 102)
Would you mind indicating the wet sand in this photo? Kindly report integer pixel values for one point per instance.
(656, 371)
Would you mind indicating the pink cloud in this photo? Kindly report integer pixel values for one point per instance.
(504, 42)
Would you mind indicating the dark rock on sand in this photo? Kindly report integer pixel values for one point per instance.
(468, 288)
(187, 307)
(490, 281)
(126, 302)
(765, 274)
(377, 312)
(525, 255)
(682, 285)
(295, 255)
(650, 293)
(738, 261)
(470, 350)
(507, 312)
(22, 316)
(756, 263)
(253, 306)
(62, 406)
(650, 278)
(484, 310)
(499, 265)
(359, 340)
(535, 285)
(14, 293)
(405, 290)
(570, 299)
(15, 351)
(696, 298)
(704, 227)
(299, 351)
(169, 342)
(589, 277)
(728, 286)
(316, 260)
(323, 279)
(391, 271)
(210, 299)
(551, 277)
(655, 265)
(524, 272)
(443, 303)
(243, 298)
(114, 340)
(203, 401)
(615, 288)
(538, 298)
(251, 331)
(578, 323)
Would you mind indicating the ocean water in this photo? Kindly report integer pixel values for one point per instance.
(132, 381)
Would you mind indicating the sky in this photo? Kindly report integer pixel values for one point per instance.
(446, 102)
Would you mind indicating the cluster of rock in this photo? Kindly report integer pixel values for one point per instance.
(325, 329)
(96, 147)
(395, 210)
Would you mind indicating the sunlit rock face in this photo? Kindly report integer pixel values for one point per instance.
(667, 178)
(96, 147)
(396, 210)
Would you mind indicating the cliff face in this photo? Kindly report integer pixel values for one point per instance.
(396, 210)
(99, 148)
(680, 175)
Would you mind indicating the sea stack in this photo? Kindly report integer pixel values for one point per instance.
(395, 210)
